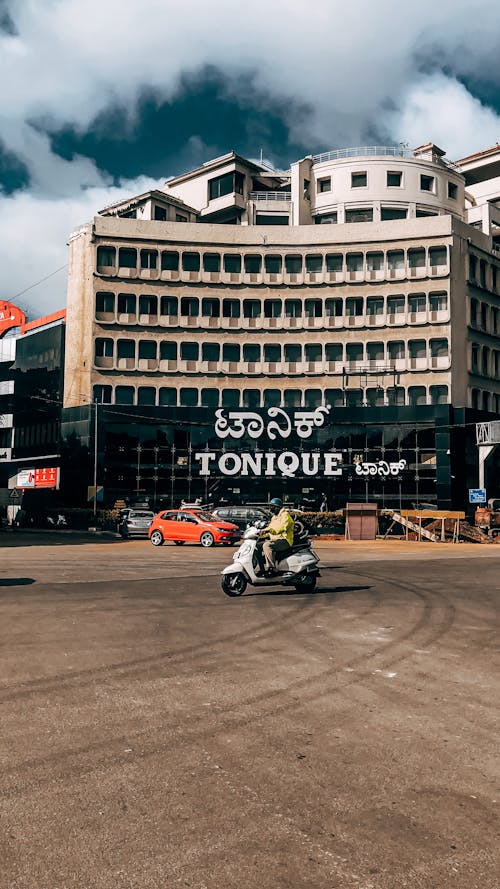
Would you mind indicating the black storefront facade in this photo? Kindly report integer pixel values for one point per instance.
(395, 456)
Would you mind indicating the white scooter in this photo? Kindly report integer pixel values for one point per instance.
(299, 569)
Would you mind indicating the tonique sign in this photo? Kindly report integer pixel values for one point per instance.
(275, 424)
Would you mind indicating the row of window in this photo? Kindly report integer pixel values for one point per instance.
(153, 306)
(255, 399)
(168, 350)
(394, 179)
(484, 317)
(109, 257)
(485, 401)
(482, 274)
(485, 361)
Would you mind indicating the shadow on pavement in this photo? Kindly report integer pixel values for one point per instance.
(54, 538)
(16, 581)
(319, 591)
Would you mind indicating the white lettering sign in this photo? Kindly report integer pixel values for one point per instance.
(236, 424)
(287, 463)
(379, 468)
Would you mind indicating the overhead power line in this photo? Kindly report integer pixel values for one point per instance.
(17, 295)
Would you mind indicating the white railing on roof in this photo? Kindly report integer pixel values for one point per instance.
(378, 151)
(270, 195)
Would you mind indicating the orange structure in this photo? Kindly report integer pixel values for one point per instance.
(10, 316)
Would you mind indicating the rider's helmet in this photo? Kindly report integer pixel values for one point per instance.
(276, 504)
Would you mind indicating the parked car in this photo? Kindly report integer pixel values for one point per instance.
(242, 515)
(135, 522)
(191, 526)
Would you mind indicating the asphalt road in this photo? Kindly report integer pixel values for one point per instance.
(155, 733)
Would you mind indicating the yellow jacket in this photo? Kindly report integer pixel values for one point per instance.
(281, 527)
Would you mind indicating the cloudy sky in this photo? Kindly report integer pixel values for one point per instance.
(104, 98)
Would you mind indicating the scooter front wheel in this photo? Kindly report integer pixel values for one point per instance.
(234, 584)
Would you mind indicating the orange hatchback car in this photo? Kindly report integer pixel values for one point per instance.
(191, 526)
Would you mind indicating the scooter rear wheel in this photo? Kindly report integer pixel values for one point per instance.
(307, 584)
(234, 584)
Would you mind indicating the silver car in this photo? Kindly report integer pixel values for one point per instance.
(135, 522)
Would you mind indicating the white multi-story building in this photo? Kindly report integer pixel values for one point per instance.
(364, 277)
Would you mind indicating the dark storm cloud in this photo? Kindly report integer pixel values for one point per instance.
(13, 173)
(203, 119)
(7, 25)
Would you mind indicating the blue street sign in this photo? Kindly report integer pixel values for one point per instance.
(477, 495)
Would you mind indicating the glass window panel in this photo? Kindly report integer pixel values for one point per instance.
(170, 261)
(127, 258)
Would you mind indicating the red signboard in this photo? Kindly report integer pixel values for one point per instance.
(10, 316)
(38, 478)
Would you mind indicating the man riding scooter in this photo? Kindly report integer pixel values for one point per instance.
(278, 537)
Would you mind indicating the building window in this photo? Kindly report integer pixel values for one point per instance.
(438, 394)
(360, 214)
(230, 352)
(251, 352)
(395, 260)
(416, 258)
(324, 184)
(484, 316)
(395, 305)
(210, 398)
(417, 302)
(293, 308)
(102, 394)
(334, 308)
(105, 303)
(439, 348)
(421, 212)
(292, 398)
(268, 219)
(148, 305)
(126, 304)
(149, 259)
(452, 193)
(253, 264)
(334, 397)
(124, 395)
(334, 352)
(231, 308)
(168, 397)
(482, 273)
(210, 352)
(472, 267)
(179, 217)
(473, 312)
(388, 213)
(127, 258)
(396, 395)
(160, 213)
(396, 350)
(273, 265)
(211, 262)
(354, 397)
(293, 353)
(313, 398)
(252, 308)
(251, 398)
(106, 257)
(190, 306)
(417, 395)
(334, 262)
(313, 308)
(226, 184)
(354, 262)
(313, 352)
(354, 307)
(394, 178)
(426, 183)
(375, 305)
(126, 349)
(374, 262)
(354, 352)
(168, 350)
(272, 398)
(146, 395)
(272, 353)
(327, 219)
(230, 398)
(375, 397)
(189, 397)
(169, 305)
(293, 265)
(210, 307)
(170, 261)
(191, 262)
(438, 302)
(418, 349)
(493, 277)
(232, 263)
(438, 256)
(359, 180)
(314, 263)
(147, 349)
(272, 308)
(103, 348)
(189, 351)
